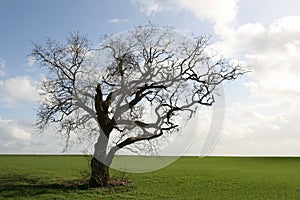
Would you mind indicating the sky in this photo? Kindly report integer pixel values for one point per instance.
(262, 108)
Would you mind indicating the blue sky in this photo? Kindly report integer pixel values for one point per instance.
(261, 109)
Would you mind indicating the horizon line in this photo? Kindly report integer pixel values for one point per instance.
(167, 155)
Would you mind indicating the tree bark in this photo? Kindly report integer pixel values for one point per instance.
(100, 174)
(99, 165)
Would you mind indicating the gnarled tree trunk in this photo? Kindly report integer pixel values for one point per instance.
(99, 166)
(100, 162)
(100, 174)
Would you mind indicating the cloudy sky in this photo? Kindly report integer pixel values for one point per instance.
(262, 109)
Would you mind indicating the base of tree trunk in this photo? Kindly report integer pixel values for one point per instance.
(100, 174)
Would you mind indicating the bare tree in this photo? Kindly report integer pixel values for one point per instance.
(107, 91)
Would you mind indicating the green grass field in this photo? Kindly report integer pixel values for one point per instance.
(62, 177)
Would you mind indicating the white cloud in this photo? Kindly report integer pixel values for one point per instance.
(2, 67)
(151, 7)
(118, 20)
(261, 129)
(10, 132)
(31, 61)
(21, 138)
(268, 125)
(217, 11)
(273, 53)
(20, 88)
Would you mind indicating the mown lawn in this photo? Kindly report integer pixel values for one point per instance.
(64, 177)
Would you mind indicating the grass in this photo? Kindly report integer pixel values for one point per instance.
(62, 177)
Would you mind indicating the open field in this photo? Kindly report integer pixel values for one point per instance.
(62, 177)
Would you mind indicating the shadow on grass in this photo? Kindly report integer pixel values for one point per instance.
(24, 189)
(29, 187)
